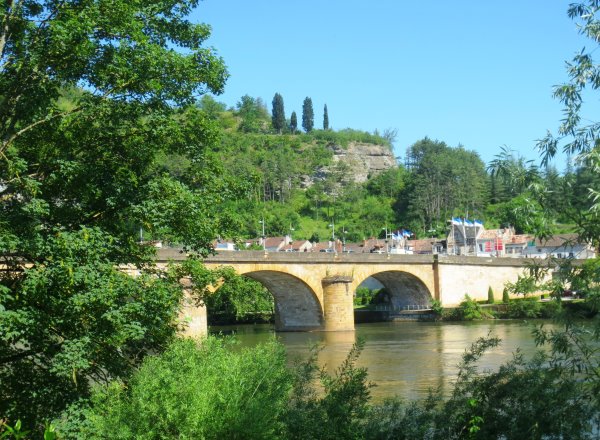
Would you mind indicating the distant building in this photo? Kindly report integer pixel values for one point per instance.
(560, 246)
(425, 246)
(493, 242)
(275, 244)
(298, 246)
(224, 245)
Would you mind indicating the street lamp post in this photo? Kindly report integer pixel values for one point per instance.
(262, 222)
(332, 226)
(387, 251)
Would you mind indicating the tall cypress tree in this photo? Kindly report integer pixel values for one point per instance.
(293, 123)
(325, 118)
(278, 119)
(308, 115)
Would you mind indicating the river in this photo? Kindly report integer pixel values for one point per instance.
(403, 358)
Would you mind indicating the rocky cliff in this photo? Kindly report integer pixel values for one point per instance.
(354, 163)
(363, 160)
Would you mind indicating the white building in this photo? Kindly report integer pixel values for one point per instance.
(560, 246)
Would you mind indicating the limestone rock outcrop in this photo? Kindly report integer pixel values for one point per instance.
(364, 160)
(358, 161)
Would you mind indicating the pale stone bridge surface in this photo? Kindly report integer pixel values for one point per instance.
(314, 291)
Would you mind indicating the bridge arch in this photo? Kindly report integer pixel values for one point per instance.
(405, 289)
(297, 307)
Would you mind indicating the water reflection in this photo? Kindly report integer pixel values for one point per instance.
(403, 358)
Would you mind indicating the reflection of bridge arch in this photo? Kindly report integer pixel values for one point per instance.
(297, 307)
(404, 288)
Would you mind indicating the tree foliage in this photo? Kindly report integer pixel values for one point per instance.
(97, 142)
(443, 180)
(239, 298)
(325, 118)
(74, 320)
(293, 123)
(227, 394)
(308, 115)
(278, 114)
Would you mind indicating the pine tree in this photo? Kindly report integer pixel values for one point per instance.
(278, 119)
(308, 116)
(325, 118)
(505, 298)
(293, 123)
(490, 295)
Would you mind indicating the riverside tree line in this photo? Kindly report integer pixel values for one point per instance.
(96, 141)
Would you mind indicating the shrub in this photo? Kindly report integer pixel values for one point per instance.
(490, 295)
(363, 296)
(340, 411)
(197, 390)
(524, 308)
(505, 297)
(470, 310)
(437, 308)
(550, 309)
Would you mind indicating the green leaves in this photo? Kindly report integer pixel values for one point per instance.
(74, 319)
(198, 390)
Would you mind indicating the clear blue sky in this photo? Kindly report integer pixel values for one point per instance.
(476, 73)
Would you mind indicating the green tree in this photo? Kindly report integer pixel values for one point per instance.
(388, 183)
(212, 107)
(325, 118)
(278, 114)
(308, 115)
(239, 299)
(253, 115)
(86, 115)
(293, 123)
(227, 394)
(490, 295)
(524, 213)
(442, 180)
(514, 172)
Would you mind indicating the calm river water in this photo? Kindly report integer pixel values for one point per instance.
(403, 358)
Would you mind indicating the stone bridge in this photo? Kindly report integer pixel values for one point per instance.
(314, 291)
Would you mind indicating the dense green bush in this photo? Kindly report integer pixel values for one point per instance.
(469, 310)
(239, 299)
(363, 296)
(524, 308)
(550, 309)
(197, 390)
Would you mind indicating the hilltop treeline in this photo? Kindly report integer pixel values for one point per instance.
(292, 182)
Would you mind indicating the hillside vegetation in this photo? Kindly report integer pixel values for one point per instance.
(291, 181)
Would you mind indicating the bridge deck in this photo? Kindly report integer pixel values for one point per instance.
(224, 257)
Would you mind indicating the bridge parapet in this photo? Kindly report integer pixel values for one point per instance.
(166, 254)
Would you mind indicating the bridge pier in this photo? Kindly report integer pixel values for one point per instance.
(193, 317)
(338, 307)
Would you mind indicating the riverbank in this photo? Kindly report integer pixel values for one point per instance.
(470, 310)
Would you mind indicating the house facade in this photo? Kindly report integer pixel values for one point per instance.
(560, 246)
